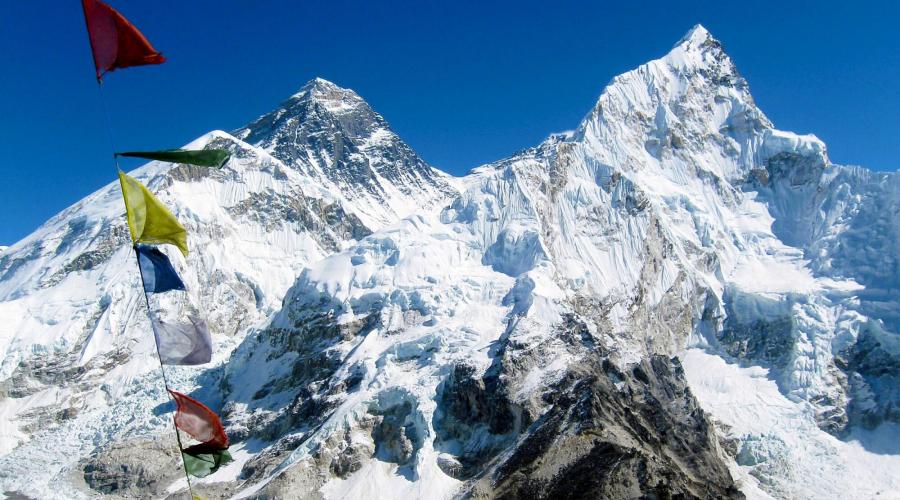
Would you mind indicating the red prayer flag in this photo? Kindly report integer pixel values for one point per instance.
(199, 422)
(115, 42)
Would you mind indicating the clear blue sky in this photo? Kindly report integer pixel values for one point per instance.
(463, 82)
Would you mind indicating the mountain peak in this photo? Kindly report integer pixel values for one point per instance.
(332, 135)
(697, 49)
(334, 98)
(317, 100)
(319, 81)
(695, 37)
(318, 85)
(692, 91)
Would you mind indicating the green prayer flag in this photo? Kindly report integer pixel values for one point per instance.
(148, 219)
(200, 157)
(204, 464)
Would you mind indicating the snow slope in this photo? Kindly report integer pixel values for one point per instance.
(780, 452)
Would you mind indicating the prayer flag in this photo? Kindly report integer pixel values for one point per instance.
(156, 270)
(198, 421)
(201, 157)
(202, 424)
(148, 219)
(201, 463)
(182, 343)
(115, 42)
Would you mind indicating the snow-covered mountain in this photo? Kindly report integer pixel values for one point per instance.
(74, 333)
(674, 299)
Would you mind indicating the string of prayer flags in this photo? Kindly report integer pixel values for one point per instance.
(215, 158)
(183, 342)
(148, 219)
(115, 42)
(158, 274)
(201, 424)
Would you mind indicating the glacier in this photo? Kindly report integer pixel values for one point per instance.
(674, 298)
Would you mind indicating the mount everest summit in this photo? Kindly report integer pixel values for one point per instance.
(675, 298)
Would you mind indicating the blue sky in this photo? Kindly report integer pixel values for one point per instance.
(463, 82)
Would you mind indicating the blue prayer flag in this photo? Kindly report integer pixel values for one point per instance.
(159, 275)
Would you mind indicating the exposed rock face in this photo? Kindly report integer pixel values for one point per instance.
(598, 432)
(135, 469)
(610, 434)
(874, 368)
(761, 338)
(476, 420)
(395, 434)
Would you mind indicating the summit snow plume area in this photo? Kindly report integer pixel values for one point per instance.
(675, 299)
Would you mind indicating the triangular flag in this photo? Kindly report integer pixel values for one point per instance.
(201, 157)
(148, 219)
(183, 343)
(157, 271)
(115, 42)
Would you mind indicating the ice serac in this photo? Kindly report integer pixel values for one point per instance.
(331, 135)
(79, 368)
(525, 340)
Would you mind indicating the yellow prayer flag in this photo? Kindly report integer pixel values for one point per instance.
(148, 219)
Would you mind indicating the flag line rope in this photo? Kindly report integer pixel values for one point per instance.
(112, 145)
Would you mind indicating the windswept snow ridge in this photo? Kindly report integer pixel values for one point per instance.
(673, 299)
